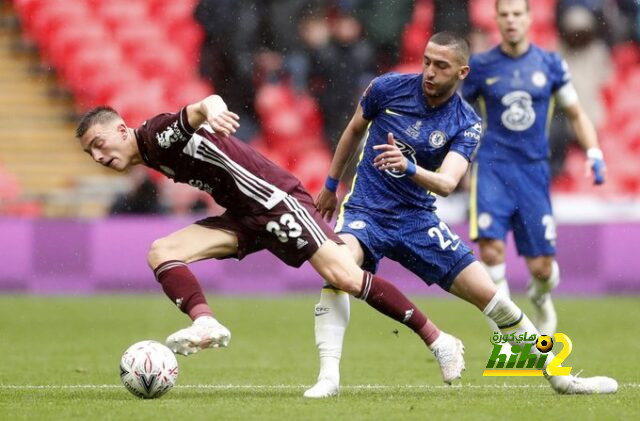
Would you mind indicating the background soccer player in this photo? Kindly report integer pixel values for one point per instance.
(420, 136)
(266, 208)
(516, 82)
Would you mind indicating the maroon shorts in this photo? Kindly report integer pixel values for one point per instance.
(293, 230)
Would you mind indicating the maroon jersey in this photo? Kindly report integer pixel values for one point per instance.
(235, 175)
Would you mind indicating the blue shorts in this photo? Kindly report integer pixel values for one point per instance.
(507, 195)
(420, 242)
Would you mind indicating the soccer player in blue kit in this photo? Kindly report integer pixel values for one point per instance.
(419, 138)
(516, 83)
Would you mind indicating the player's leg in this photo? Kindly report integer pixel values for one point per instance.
(474, 285)
(545, 276)
(491, 207)
(331, 317)
(168, 258)
(534, 233)
(492, 255)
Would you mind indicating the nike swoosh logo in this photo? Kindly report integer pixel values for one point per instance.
(454, 248)
(388, 111)
(321, 312)
(492, 80)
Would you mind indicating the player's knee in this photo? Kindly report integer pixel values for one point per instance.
(491, 253)
(541, 268)
(160, 251)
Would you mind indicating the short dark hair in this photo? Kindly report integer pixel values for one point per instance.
(97, 115)
(458, 43)
(526, 2)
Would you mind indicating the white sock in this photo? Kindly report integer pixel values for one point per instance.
(497, 273)
(539, 287)
(331, 320)
(507, 314)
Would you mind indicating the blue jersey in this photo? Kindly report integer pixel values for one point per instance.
(516, 95)
(395, 103)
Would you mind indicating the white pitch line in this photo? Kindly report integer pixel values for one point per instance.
(292, 387)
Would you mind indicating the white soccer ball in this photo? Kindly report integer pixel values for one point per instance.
(148, 369)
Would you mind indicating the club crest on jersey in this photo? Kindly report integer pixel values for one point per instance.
(413, 131)
(169, 136)
(437, 139)
(519, 115)
(539, 79)
(357, 225)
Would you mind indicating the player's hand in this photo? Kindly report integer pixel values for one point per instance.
(222, 121)
(326, 202)
(390, 157)
(595, 164)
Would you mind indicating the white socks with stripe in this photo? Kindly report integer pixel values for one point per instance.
(497, 273)
(506, 314)
(331, 320)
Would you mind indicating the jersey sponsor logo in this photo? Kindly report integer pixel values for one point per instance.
(200, 185)
(437, 139)
(413, 131)
(539, 79)
(519, 115)
(475, 132)
(170, 135)
(492, 80)
(484, 220)
(357, 225)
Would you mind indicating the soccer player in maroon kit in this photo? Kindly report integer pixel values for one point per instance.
(266, 208)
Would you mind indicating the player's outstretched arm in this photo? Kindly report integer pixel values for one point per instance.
(213, 110)
(588, 139)
(442, 183)
(327, 201)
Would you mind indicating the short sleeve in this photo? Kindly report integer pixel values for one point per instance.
(467, 140)
(558, 71)
(372, 98)
(167, 129)
(471, 85)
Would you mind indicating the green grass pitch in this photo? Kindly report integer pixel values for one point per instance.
(59, 359)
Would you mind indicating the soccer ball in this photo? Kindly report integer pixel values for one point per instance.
(148, 369)
(544, 343)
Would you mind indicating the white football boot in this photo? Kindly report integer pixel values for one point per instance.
(544, 317)
(324, 388)
(574, 385)
(449, 352)
(205, 332)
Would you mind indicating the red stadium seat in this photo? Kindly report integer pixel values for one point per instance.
(117, 13)
(187, 92)
(51, 16)
(482, 14)
(271, 98)
(67, 40)
(168, 10)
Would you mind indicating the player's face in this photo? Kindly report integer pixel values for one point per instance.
(107, 144)
(441, 70)
(513, 20)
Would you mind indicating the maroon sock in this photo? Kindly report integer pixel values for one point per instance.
(182, 288)
(388, 300)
